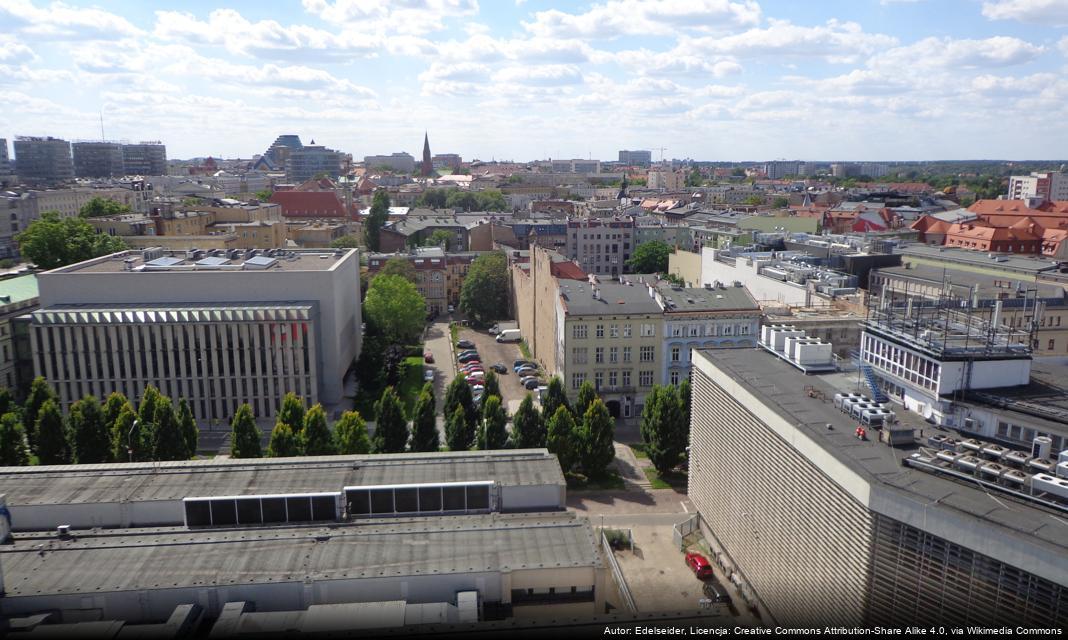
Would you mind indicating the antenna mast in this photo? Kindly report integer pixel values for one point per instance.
(102, 137)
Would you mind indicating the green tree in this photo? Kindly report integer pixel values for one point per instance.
(433, 198)
(122, 440)
(440, 238)
(528, 429)
(458, 393)
(40, 391)
(596, 449)
(51, 434)
(350, 434)
(425, 423)
(52, 242)
(662, 428)
(284, 442)
(14, 448)
(168, 443)
(316, 436)
(753, 200)
(694, 178)
(292, 411)
(98, 206)
(395, 308)
(90, 438)
(111, 409)
(346, 242)
(780, 203)
(586, 395)
(391, 429)
(7, 401)
(459, 435)
(146, 416)
(491, 385)
(561, 438)
(484, 294)
(376, 219)
(245, 436)
(187, 425)
(684, 398)
(650, 257)
(493, 431)
(398, 266)
(263, 195)
(554, 397)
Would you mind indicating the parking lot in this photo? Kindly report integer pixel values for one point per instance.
(490, 351)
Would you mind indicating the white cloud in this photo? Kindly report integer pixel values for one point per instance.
(858, 82)
(410, 17)
(61, 21)
(834, 41)
(546, 75)
(948, 53)
(1063, 45)
(1041, 12)
(996, 86)
(12, 50)
(676, 63)
(645, 17)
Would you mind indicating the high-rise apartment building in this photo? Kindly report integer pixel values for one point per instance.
(43, 160)
(1045, 186)
(307, 162)
(5, 162)
(641, 158)
(98, 159)
(219, 329)
(601, 246)
(780, 169)
(818, 525)
(144, 159)
(277, 154)
(447, 161)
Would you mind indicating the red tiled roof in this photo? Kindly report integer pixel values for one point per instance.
(567, 271)
(310, 204)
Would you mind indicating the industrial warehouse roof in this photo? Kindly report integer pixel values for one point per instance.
(168, 558)
(135, 262)
(782, 388)
(140, 482)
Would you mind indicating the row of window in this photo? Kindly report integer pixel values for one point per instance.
(613, 378)
(1026, 435)
(901, 362)
(710, 329)
(581, 331)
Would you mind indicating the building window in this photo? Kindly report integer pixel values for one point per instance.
(675, 352)
(626, 354)
(598, 355)
(613, 378)
(613, 331)
(578, 355)
(598, 380)
(695, 330)
(600, 331)
(626, 331)
(648, 330)
(675, 377)
(743, 330)
(676, 330)
(647, 354)
(645, 378)
(1050, 345)
(626, 377)
(613, 355)
(577, 379)
(578, 331)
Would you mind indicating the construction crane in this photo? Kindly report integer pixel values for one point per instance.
(661, 150)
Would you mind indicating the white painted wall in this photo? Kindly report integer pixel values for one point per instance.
(762, 288)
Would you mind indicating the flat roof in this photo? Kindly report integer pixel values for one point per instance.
(964, 278)
(18, 289)
(695, 299)
(612, 299)
(177, 261)
(781, 387)
(1009, 262)
(140, 482)
(173, 557)
(1041, 402)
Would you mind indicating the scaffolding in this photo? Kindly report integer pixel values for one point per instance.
(952, 327)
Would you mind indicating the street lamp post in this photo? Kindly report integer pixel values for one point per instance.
(129, 440)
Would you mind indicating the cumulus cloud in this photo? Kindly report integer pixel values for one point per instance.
(834, 41)
(12, 51)
(644, 17)
(546, 75)
(1043, 12)
(949, 53)
(61, 21)
(411, 17)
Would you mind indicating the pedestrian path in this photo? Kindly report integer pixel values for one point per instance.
(629, 469)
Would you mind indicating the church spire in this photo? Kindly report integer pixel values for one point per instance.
(428, 166)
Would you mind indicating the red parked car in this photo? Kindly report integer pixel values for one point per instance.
(428, 357)
(699, 565)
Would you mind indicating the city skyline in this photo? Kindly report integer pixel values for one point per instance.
(715, 80)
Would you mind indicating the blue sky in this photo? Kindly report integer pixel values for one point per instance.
(528, 79)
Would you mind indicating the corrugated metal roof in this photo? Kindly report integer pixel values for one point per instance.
(170, 558)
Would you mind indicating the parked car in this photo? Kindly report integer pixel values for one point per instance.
(519, 363)
(499, 367)
(428, 375)
(494, 330)
(467, 352)
(465, 344)
(474, 365)
(525, 379)
(531, 384)
(428, 357)
(509, 335)
(715, 592)
(525, 371)
(477, 390)
(475, 373)
(470, 357)
(699, 565)
(451, 308)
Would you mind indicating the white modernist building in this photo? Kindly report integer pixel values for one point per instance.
(218, 329)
